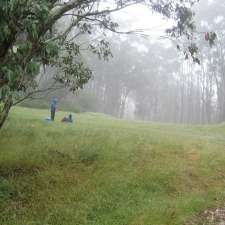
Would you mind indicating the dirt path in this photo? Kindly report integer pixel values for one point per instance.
(209, 217)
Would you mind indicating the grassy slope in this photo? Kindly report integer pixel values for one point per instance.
(103, 171)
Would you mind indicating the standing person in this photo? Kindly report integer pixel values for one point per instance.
(53, 107)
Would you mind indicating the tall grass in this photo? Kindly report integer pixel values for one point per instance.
(104, 171)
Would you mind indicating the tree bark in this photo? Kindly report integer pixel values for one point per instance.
(5, 111)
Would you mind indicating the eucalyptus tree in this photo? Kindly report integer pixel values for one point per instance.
(29, 38)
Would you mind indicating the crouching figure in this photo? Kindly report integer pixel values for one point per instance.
(68, 119)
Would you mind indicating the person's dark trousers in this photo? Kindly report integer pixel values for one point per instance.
(52, 115)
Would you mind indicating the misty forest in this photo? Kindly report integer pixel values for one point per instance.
(148, 78)
(112, 112)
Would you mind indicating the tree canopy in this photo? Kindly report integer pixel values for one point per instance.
(30, 38)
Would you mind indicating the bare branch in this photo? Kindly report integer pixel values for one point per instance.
(31, 94)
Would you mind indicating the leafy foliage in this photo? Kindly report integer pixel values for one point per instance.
(30, 38)
(210, 37)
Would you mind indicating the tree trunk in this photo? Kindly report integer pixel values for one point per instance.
(5, 111)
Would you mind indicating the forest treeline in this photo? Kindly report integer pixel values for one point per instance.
(151, 80)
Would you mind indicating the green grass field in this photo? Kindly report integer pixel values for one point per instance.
(105, 171)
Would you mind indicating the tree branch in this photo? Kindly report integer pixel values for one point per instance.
(32, 93)
(58, 12)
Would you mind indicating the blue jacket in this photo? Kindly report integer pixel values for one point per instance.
(53, 104)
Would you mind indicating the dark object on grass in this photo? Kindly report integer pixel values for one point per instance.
(68, 119)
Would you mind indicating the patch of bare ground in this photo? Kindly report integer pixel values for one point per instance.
(209, 217)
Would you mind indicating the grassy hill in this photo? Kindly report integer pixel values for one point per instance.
(105, 171)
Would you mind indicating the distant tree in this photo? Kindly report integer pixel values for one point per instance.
(29, 39)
